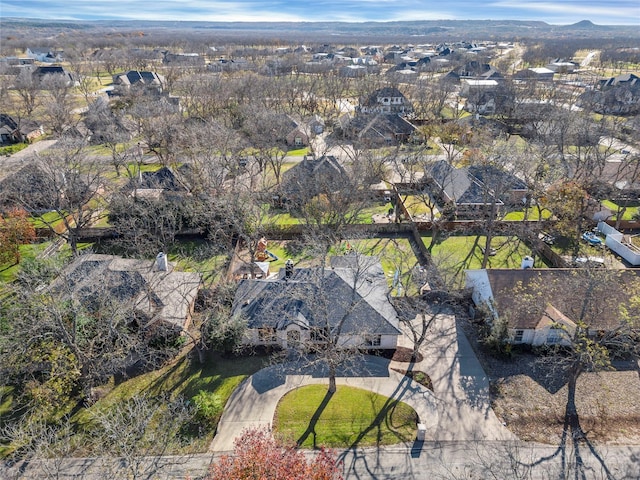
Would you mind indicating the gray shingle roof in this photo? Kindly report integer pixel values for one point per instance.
(312, 296)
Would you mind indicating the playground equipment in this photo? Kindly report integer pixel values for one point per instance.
(262, 254)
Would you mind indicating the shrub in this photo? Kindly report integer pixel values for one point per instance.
(208, 405)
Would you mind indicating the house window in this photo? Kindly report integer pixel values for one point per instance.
(555, 336)
(298, 141)
(373, 340)
(267, 335)
(518, 336)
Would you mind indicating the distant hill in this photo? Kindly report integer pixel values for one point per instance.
(583, 24)
(429, 30)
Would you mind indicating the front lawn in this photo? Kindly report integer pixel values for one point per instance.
(184, 378)
(350, 417)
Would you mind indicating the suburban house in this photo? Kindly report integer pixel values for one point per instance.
(12, 132)
(311, 177)
(183, 59)
(45, 55)
(45, 73)
(474, 70)
(154, 291)
(148, 81)
(387, 100)
(616, 95)
(378, 129)
(160, 182)
(486, 97)
(540, 74)
(302, 303)
(38, 190)
(560, 65)
(508, 294)
(303, 131)
(457, 193)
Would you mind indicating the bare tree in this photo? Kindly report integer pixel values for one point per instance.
(139, 431)
(63, 180)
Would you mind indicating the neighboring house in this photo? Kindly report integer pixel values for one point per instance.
(164, 181)
(312, 177)
(457, 192)
(353, 71)
(12, 132)
(616, 95)
(148, 81)
(300, 303)
(38, 191)
(45, 55)
(494, 290)
(183, 59)
(155, 292)
(387, 100)
(507, 186)
(540, 74)
(474, 70)
(298, 137)
(43, 73)
(561, 66)
(379, 129)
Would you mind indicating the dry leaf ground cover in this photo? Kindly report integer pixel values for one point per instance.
(531, 400)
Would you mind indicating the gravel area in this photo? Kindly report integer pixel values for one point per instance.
(531, 401)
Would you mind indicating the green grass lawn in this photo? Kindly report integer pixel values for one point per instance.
(395, 254)
(532, 214)
(350, 417)
(376, 208)
(47, 220)
(8, 272)
(628, 213)
(455, 254)
(183, 377)
(301, 152)
(418, 206)
(197, 256)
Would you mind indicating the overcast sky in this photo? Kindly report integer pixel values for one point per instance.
(602, 12)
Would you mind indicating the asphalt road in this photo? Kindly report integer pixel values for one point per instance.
(499, 460)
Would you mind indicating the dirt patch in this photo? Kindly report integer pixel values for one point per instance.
(403, 354)
(417, 376)
(531, 400)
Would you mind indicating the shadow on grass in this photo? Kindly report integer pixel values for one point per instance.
(311, 429)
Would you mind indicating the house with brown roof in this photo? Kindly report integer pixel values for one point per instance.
(545, 306)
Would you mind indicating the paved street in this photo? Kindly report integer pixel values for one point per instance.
(504, 460)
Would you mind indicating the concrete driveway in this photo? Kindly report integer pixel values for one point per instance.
(254, 402)
(458, 409)
(460, 385)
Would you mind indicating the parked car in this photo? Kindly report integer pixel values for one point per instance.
(592, 238)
